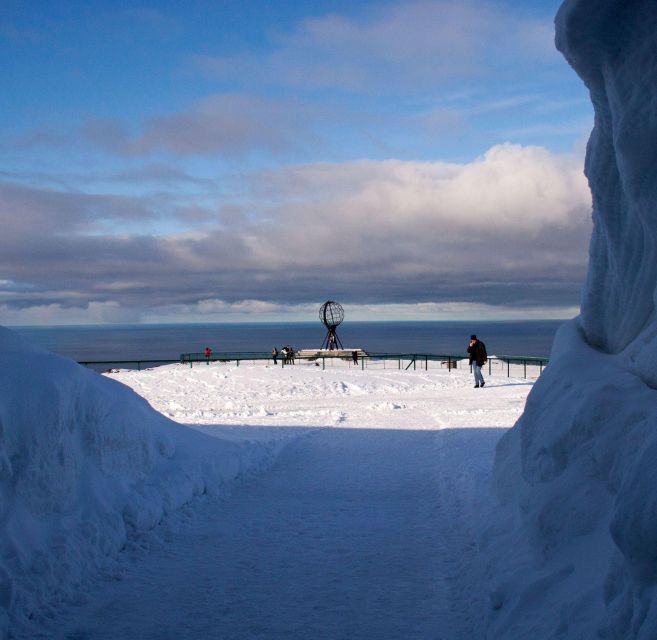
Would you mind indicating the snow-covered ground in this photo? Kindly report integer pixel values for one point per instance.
(578, 473)
(300, 503)
(260, 394)
(87, 470)
(356, 504)
(365, 527)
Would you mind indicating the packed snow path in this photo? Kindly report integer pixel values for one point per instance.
(361, 526)
(351, 534)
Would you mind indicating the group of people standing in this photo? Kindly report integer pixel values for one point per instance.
(286, 354)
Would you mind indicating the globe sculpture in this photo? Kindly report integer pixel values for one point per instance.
(331, 314)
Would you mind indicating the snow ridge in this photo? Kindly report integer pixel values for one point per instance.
(86, 466)
(611, 45)
(574, 551)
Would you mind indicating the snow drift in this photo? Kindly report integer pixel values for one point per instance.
(578, 472)
(86, 466)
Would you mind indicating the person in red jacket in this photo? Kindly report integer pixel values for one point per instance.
(478, 357)
(208, 354)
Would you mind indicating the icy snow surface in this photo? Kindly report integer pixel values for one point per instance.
(577, 555)
(366, 514)
(612, 46)
(365, 527)
(87, 470)
(359, 519)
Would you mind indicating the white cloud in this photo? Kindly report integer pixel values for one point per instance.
(426, 214)
(508, 229)
(216, 306)
(221, 124)
(392, 46)
(458, 311)
(265, 311)
(58, 314)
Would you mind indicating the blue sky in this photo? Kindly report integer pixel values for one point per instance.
(248, 160)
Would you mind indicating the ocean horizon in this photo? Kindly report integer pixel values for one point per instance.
(110, 343)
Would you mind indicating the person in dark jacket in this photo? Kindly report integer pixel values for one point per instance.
(478, 357)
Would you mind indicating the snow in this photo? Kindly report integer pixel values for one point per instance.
(348, 503)
(304, 395)
(86, 467)
(281, 502)
(349, 535)
(612, 47)
(573, 553)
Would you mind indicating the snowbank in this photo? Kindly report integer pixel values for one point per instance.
(611, 45)
(86, 466)
(576, 542)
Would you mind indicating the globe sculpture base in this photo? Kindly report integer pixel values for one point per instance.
(332, 341)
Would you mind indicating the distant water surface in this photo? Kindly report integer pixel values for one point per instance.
(132, 342)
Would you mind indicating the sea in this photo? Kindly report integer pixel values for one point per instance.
(114, 343)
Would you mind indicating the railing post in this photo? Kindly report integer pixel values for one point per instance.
(540, 367)
(426, 363)
(414, 362)
(489, 366)
(362, 363)
(323, 363)
(449, 364)
(508, 368)
(524, 362)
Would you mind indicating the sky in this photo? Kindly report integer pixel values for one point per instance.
(248, 160)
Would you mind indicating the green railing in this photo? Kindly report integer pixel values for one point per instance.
(502, 364)
(143, 363)
(403, 360)
(226, 356)
(456, 361)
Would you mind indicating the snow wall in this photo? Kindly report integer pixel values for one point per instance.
(575, 541)
(87, 467)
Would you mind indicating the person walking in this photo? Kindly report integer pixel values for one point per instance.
(274, 355)
(478, 357)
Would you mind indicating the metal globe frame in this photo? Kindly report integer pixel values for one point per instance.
(331, 314)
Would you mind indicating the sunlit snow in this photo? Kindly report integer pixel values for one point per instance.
(299, 502)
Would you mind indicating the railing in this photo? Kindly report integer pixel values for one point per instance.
(404, 361)
(502, 364)
(452, 361)
(225, 356)
(138, 364)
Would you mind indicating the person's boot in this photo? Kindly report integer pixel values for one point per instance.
(476, 386)
(483, 383)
